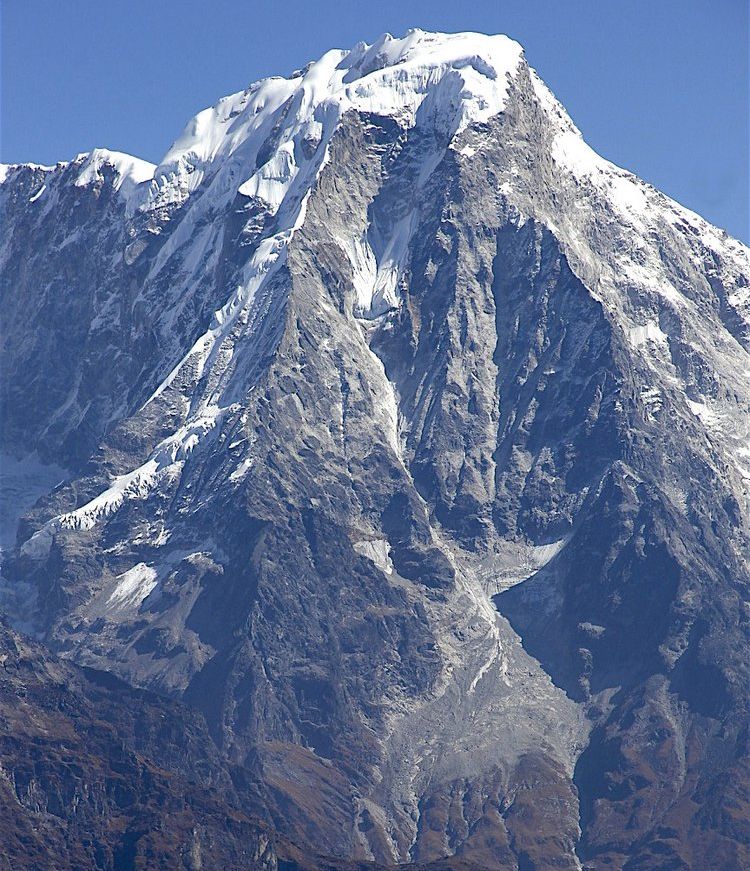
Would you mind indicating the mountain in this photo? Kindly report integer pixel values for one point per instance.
(405, 442)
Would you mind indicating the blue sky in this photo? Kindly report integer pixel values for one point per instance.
(660, 87)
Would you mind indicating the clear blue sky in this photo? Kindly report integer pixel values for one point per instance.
(658, 86)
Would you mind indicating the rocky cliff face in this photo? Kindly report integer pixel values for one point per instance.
(94, 774)
(408, 442)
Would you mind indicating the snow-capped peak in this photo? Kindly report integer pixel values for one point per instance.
(128, 176)
(444, 80)
(256, 141)
(419, 48)
(129, 171)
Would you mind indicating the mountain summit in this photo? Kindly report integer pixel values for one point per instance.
(407, 442)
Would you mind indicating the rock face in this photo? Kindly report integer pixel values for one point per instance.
(409, 443)
(94, 774)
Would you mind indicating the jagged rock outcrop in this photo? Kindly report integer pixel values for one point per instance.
(408, 442)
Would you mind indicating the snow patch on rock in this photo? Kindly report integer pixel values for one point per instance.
(649, 332)
(133, 586)
(378, 551)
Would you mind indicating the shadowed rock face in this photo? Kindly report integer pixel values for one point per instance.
(422, 480)
(98, 775)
